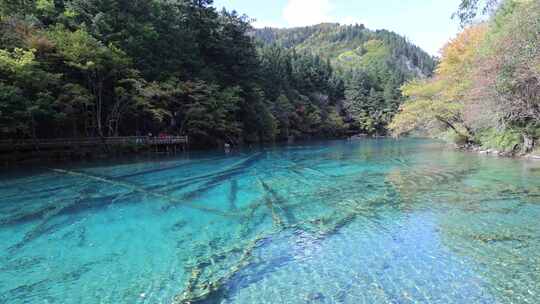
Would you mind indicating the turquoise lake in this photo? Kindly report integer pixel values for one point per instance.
(371, 221)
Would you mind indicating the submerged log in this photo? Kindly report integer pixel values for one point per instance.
(233, 195)
(138, 189)
(528, 144)
(226, 172)
(211, 180)
(279, 202)
(167, 168)
(43, 227)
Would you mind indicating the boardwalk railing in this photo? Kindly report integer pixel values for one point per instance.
(92, 141)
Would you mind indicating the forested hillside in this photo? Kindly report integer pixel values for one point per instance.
(486, 90)
(372, 64)
(81, 68)
(98, 68)
(347, 45)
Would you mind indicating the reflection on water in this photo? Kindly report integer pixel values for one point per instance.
(374, 221)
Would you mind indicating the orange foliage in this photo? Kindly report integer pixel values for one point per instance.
(458, 54)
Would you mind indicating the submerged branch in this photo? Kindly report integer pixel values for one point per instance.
(141, 190)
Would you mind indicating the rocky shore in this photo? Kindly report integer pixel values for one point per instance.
(494, 152)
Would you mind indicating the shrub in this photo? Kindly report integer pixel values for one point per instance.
(450, 136)
(504, 140)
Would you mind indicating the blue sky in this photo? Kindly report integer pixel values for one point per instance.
(427, 23)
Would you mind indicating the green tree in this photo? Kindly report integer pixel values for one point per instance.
(102, 69)
(283, 110)
(26, 97)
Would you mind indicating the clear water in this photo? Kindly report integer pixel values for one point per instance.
(374, 221)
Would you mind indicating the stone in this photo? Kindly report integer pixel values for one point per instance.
(316, 296)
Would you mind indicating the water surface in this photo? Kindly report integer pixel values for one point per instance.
(374, 221)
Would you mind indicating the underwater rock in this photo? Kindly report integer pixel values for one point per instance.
(315, 297)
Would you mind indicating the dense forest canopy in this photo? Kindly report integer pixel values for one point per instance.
(372, 64)
(86, 68)
(486, 89)
(89, 68)
(103, 68)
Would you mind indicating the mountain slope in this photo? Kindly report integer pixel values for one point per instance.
(373, 65)
(352, 46)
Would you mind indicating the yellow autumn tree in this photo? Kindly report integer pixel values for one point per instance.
(435, 105)
(505, 95)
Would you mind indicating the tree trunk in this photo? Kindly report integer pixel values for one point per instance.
(33, 131)
(451, 126)
(528, 143)
(99, 108)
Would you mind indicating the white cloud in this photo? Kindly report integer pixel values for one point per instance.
(307, 12)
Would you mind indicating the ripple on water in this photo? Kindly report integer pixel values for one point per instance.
(374, 221)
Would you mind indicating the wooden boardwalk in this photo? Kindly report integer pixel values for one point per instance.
(60, 143)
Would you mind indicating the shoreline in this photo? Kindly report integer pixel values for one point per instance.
(494, 152)
(118, 152)
(17, 157)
